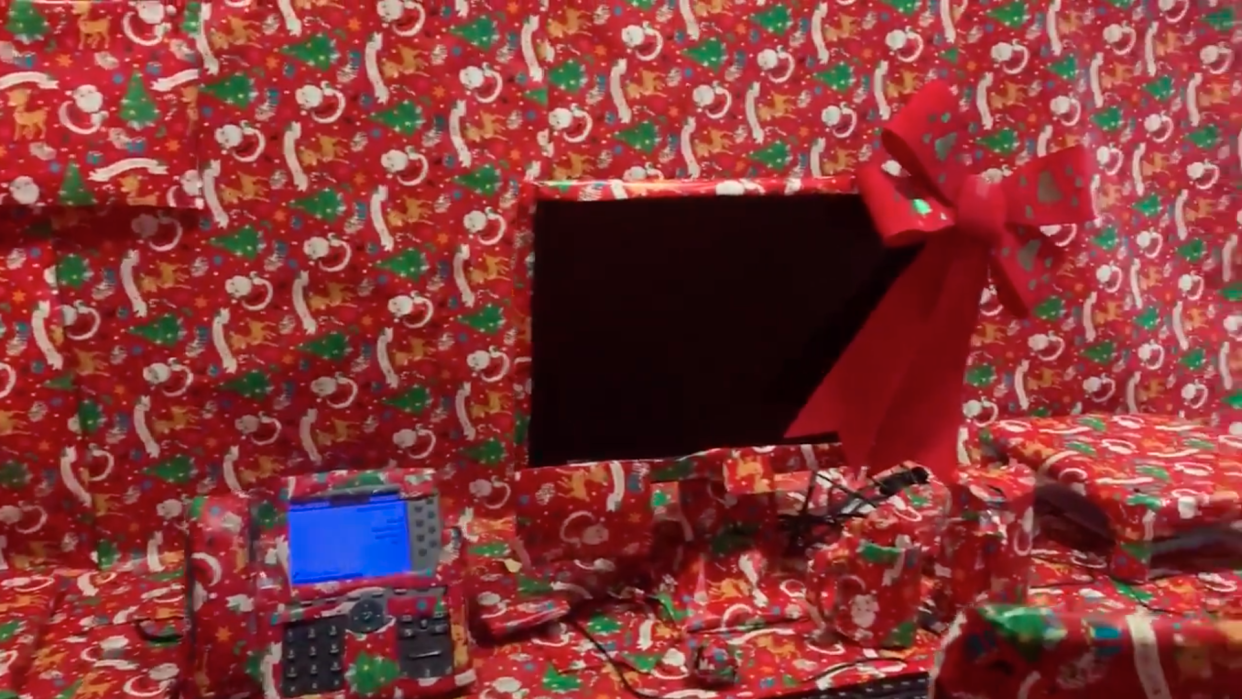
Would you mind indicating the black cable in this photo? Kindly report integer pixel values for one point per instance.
(914, 687)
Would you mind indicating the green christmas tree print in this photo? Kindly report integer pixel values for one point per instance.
(137, 109)
(480, 33)
(1206, 137)
(1011, 14)
(484, 180)
(407, 264)
(179, 470)
(25, 22)
(191, 21)
(773, 157)
(539, 96)
(569, 76)
(236, 90)
(89, 416)
(487, 320)
(1065, 69)
(245, 242)
(489, 452)
(1101, 353)
(164, 331)
(253, 385)
(1221, 20)
(403, 118)
(14, 475)
(1193, 250)
(317, 51)
(1051, 308)
(905, 7)
(709, 53)
(1148, 206)
(603, 624)
(332, 347)
(1161, 88)
(1194, 359)
(1109, 119)
(61, 382)
(72, 270)
(8, 630)
(642, 137)
(412, 400)
(775, 20)
(73, 191)
(554, 681)
(325, 205)
(981, 376)
(371, 674)
(839, 77)
(1234, 400)
(1003, 142)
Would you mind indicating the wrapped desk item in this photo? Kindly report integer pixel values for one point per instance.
(1035, 652)
(1154, 483)
(867, 584)
(985, 549)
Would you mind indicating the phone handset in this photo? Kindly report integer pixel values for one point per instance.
(220, 587)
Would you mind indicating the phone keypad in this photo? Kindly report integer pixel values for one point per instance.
(425, 644)
(314, 657)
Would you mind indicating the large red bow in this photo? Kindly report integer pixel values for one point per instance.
(896, 391)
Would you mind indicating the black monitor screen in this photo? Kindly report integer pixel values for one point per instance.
(665, 326)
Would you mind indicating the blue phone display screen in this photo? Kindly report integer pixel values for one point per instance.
(346, 542)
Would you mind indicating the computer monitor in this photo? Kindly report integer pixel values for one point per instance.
(665, 326)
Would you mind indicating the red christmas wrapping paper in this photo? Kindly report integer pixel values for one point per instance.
(292, 190)
(1180, 218)
(1152, 477)
(985, 547)
(102, 104)
(1036, 652)
(26, 610)
(106, 661)
(583, 511)
(867, 585)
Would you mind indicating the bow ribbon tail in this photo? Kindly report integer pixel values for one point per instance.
(921, 422)
(859, 390)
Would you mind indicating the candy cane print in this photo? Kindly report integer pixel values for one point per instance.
(370, 64)
(289, 148)
(306, 436)
(376, 210)
(463, 415)
(38, 331)
(526, 40)
(211, 195)
(686, 147)
(227, 361)
(136, 302)
(229, 468)
(141, 408)
(456, 114)
(616, 91)
(383, 360)
(202, 47)
(752, 114)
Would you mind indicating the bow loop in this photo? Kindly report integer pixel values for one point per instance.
(927, 138)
